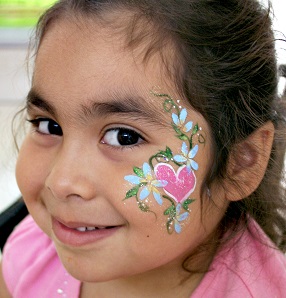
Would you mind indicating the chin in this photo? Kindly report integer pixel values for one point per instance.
(82, 269)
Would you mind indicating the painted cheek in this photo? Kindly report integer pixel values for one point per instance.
(158, 179)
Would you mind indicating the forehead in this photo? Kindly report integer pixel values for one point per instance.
(88, 58)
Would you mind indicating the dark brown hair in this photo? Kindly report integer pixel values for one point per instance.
(225, 66)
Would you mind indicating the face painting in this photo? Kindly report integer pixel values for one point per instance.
(158, 174)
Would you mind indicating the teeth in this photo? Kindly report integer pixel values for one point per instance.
(83, 229)
(90, 228)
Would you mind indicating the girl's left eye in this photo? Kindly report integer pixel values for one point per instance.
(118, 137)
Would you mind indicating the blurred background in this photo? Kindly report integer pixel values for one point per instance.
(17, 19)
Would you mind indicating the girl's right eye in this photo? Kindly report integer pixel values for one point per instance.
(46, 126)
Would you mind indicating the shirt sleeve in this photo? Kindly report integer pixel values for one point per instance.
(250, 266)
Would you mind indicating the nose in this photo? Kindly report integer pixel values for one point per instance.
(72, 173)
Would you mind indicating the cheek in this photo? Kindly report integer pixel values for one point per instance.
(150, 242)
(165, 194)
(30, 170)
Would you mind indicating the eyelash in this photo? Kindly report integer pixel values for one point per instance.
(137, 142)
(36, 123)
(51, 124)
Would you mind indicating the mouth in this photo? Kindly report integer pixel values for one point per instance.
(81, 234)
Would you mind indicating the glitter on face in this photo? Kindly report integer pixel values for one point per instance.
(158, 174)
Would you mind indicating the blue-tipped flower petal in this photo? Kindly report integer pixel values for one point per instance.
(179, 158)
(178, 208)
(177, 228)
(175, 119)
(144, 193)
(183, 216)
(157, 197)
(183, 116)
(194, 165)
(188, 126)
(133, 179)
(146, 169)
(193, 152)
(185, 149)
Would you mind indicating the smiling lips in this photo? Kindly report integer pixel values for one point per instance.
(78, 234)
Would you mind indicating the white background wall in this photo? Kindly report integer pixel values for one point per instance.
(14, 86)
(279, 23)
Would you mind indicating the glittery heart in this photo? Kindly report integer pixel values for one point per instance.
(180, 185)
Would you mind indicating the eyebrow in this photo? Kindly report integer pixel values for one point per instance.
(131, 107)
(135, 107)
(34, 99)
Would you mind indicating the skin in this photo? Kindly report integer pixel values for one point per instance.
(75, 68)
(4, 293)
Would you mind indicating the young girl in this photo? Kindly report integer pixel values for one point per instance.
(153, 165)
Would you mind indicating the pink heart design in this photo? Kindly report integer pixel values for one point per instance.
(180, 185)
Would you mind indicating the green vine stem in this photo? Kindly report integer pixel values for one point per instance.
(166, 155)
(168, 103)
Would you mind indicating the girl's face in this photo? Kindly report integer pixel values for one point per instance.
(93, 120)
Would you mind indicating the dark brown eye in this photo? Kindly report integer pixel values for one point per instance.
(47, 126)
(121, 137)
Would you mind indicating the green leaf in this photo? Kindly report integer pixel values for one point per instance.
(170, 211)
(186, 203)
(132, 192)
(161, 154)
(195, 129)
(183, 137)
(143, 207)
(169, 226)
(189, 201)
(138, 172)
(169, 152)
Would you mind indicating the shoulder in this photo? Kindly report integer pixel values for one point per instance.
(30, 259)
(248, 268)
(26, 247)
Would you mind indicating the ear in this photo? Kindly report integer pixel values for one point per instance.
(248, 163)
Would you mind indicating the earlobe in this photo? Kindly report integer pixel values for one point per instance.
(248, 163)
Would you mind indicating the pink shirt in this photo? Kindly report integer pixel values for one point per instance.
(31, 268)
